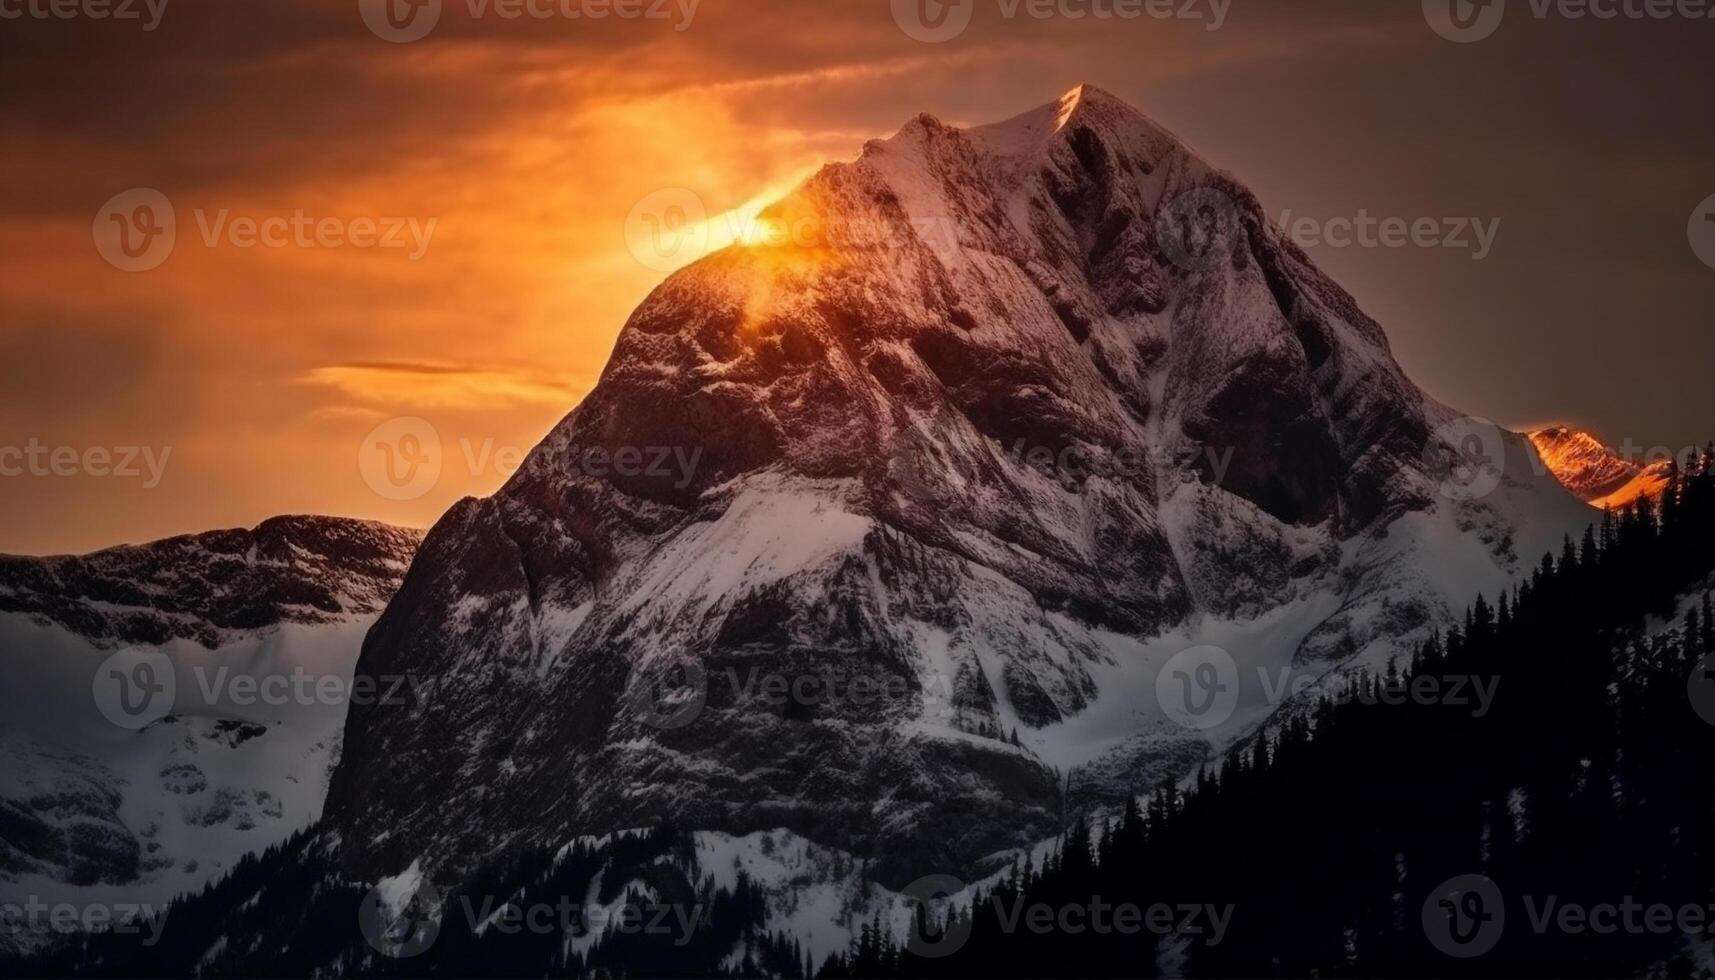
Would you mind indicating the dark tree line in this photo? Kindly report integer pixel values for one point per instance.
(1588, 781)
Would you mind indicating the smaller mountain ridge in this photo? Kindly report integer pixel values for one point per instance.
(88, 805)
(207, 587)
(1595, 472)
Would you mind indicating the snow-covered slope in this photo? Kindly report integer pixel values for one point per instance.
(1596, 473)
(97, 811)
(1006, 419)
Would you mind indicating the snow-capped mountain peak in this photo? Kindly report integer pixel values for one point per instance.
(1003, 420)
(1597, 473)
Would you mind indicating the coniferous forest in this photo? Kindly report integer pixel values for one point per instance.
(1588, 784)
(1584, 793)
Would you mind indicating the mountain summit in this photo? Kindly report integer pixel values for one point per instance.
(1007, 418)
(1596, 473)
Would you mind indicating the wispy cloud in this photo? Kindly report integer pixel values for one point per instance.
(428, 385)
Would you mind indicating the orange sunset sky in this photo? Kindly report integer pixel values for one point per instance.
(527, 145)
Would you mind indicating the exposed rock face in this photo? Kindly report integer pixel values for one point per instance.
(202, 587)
(1005, 403)
(1596, 473)
(87, 806)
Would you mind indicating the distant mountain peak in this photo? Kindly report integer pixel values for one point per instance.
(1595, 472)
(209, 586)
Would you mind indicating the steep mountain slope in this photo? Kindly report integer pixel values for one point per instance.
(91, 810)
(1596, 473)
(1007, 418)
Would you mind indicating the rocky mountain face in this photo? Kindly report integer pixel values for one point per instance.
(205, 587)
(90, 808)
(881, 532)
(1596, 473)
